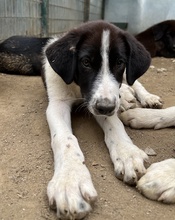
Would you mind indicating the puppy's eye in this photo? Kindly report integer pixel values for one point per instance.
(119, 62)
(86, 62)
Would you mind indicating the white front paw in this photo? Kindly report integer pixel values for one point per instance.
(128, 162)
(71, 192)
(159, 182)
(151, 101)
(127, 98)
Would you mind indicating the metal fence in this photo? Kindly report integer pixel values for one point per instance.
(45, 17)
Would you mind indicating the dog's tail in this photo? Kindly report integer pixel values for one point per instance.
(21, 55)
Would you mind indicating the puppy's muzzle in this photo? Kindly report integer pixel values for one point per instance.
(105, 107)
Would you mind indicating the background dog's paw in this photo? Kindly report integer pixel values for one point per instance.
(159, 182)
(151, 101)
(136, 118)
(149, 118)
(71, 193)
(126, 105)
(127, 98)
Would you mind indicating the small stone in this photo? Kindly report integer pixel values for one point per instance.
(161, 70)
(103, 166)
(95, 164)
(150, 152)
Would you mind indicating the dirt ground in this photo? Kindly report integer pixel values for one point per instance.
(26, 160)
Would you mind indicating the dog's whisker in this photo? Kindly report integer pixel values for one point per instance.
(81, 106)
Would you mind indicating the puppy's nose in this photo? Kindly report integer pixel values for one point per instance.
(105, 107)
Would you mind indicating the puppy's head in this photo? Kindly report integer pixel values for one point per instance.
(95, 56)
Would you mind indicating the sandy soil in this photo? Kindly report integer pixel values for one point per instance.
(26, 160)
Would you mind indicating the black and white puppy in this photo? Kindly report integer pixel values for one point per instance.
(88, 64)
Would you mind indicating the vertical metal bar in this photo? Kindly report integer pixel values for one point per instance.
(103, 9)
(86, 10)
(44, 17)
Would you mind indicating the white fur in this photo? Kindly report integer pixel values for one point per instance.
(127, 98)
(71, 187)
(127, 158)
(149, 118)
(159, 182)
(144, 118)
(139, 93)
(145, 98)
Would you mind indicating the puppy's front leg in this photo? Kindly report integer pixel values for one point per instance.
(127, 158)
(71, 188)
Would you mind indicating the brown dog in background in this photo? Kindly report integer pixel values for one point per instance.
(159, 39)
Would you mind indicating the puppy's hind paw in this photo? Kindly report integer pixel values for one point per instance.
(159, 182)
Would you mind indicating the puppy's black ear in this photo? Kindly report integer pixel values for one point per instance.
(138, 59)
(62, 57)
